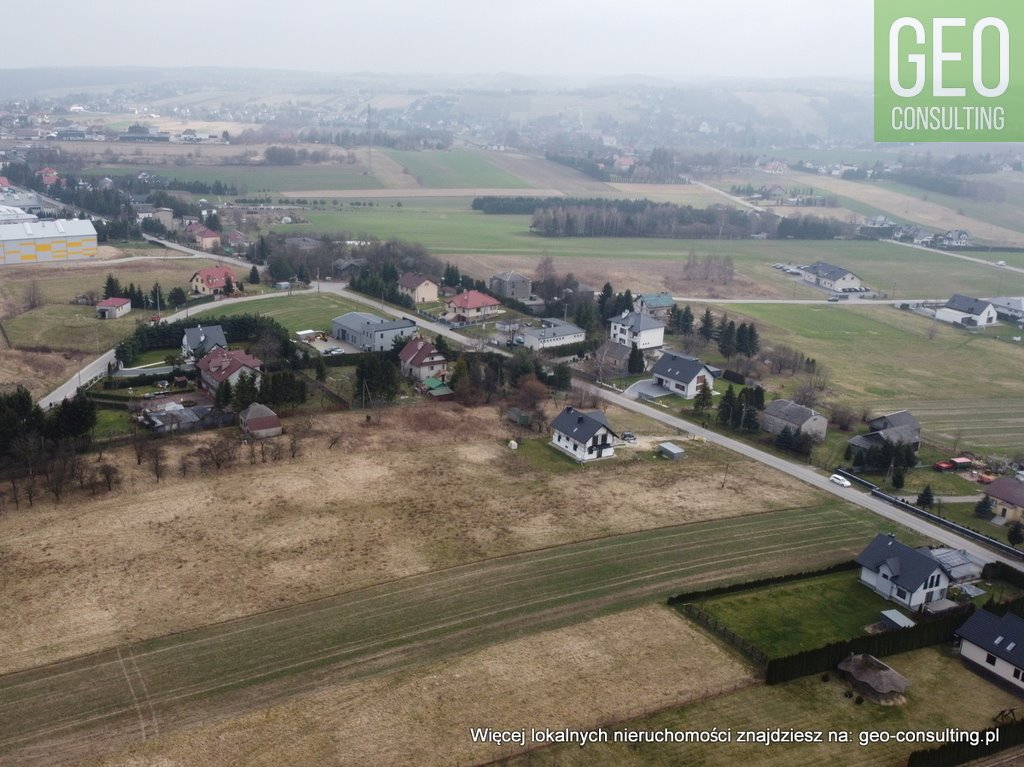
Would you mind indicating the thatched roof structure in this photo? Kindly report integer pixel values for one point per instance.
(869, 672)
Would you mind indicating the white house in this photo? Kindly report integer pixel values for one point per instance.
(682, 375)
(420, 360)
(636, 328)
(995, 645)
(831, 277)
(584, 436)
(112, 308)
(369, 332)
(909, 577)
(964, 310)
(552, 332)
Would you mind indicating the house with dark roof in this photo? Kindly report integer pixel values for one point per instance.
(831, 277)
(964, 310)
(1007, 496)
(895, 428)
(585, 436)
(682, 375)
(370, 333)
(782, 413)
(994, 645)
(198, 341)
(909, 577)
(259, 421)
(347, 268)
(511, 285)
(655, 304)
(418, 287)
(420, 360)
(1008, 307)
(643, 330)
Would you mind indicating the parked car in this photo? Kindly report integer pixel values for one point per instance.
(628, 436)
(840, 480)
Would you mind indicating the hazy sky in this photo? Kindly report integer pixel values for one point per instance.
(673, 38)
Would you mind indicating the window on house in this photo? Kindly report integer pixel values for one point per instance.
(1016, 673)
(990, 659)
(901, 594)
(885, 576)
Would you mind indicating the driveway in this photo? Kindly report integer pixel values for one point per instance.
(646, 390)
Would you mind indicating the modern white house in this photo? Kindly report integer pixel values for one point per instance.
(964, 310)
(370, 333)
(584, 436)
(831, 277)
(906, 576)
(637, 328)
(682, 375)
(995, 645)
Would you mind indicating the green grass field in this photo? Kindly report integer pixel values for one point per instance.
(65, 327)
(943, 693)
(413, 620)
(802, 615)
(251, 181)
(302, 311)
(454, 169)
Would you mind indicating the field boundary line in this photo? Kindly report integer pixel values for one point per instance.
(145, 691)
(135, 699)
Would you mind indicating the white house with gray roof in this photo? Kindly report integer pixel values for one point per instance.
(909, 577)
(782, 413)
(637, 328)
(370, 333)
(552, 332)
(199, 341)
(964, 310)
(995, 645)
(1011, 308)
(586, 436)
(831, 277)
(512, 285)
(682, 375)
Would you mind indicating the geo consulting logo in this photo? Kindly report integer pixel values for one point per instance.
(949, 70)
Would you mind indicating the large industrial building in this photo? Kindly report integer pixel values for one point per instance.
(29, 242)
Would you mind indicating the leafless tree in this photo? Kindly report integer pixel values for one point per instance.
(15, 493)
(140, 444)
(157, 461)
(34, 296)
(276, 450)
(251, 445)
(843, 416)
(183, 465)
(295, 443)
(28, 448)
(111, 475)
(333, 440)
(29, 489)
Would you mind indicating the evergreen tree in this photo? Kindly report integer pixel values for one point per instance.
(156, 296)
(707, 327)
(753, 341)
(254, 275)
(673, 319)
(742, 338)
(321, 369)
(586, 316)
(562, 377)
(245, 391)
(112, 287)
(750, 423)
(176, 297)
(222, 397)
(899, 477)
(459, 370)
(727, 340)
(727, 407)
(635, 365)
(1015, 534)
(926, 499)
(984, 509)
(441, 345)
(784, 440)
(686, 321)
(703, 400)
(604, 301)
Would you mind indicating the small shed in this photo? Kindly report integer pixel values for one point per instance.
(671, 451)
(259, 421)
(894, 619)
(873, 679)
(112, 308)
(308, 335)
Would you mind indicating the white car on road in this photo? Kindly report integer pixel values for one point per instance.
(839, 480)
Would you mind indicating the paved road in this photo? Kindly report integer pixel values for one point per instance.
(808, 475)
(964, 257)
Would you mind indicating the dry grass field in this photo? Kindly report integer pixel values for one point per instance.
(570, 677)
(152, 558)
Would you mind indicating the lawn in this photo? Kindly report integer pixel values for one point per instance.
(801, 615)
(304, 311)
(66, 327)
(943, 694)
(453, 170)
(112, 423)
(260, 179)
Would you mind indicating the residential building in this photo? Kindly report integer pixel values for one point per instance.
(830, 277)
(636, 328)
(419, 359)
(347, 268)
(910, 577)
(512, 285)
(471, 305)
(419, 288)
(964, 310)
(222, 365)
(112, 308)
(895, 428)
(994, 645)
(203, 237)
(259, 422)
(551, 332)
(956, 238)
(1009, 308)
(370, 333)
(655, 304)
(177, 418)
(197, 341)
(584, 436)
(212, 281)
(29, 242)
(682, 375)
(1007, 494)
(782, 413)
(237, 240)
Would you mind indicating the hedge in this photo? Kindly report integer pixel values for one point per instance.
(699, 596)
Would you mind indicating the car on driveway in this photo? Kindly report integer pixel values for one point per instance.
(628, 436)
(840, 480)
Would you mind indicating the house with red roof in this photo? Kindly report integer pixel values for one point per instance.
(222, 365)
(471, 305)
(419, 359)
(112, 308)
(418, 287)
(4, 183)
(211, 281)
(48, 176)
(204, 237)
(259, 421)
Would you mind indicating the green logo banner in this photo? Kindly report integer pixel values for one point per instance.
(949, 70)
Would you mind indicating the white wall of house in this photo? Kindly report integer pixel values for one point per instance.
(690, 389)
(997, 666)
(535, 342)
(582, 451)
(646, 339)
(816, 426)
(881, 582)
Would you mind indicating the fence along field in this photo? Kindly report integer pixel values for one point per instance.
(86, 704)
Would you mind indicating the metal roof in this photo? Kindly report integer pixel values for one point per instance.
(580, 425)
(910, 568)
(1003, 637)
(678, 367)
